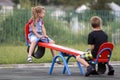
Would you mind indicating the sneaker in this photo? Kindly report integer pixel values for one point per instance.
(111, 70)
(94, 73)
(58, 61)
(90, 70)
(29, 59)
(101, 68)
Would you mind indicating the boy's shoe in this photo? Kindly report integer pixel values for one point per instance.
(111, 70)
(101, 68)
(95, 73)
(29, 59)
(90, 70)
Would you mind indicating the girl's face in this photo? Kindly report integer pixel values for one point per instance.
(42, 14)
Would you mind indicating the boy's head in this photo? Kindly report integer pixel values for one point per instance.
(95, 21)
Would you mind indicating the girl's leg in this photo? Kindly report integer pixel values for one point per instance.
(54, 52)
(31, 49)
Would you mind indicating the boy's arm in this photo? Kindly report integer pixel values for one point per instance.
(91, 47)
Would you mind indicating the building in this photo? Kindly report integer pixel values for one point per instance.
(6, 6)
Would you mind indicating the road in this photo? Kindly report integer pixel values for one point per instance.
(41, 73)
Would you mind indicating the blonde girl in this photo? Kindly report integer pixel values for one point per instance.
(37, 30)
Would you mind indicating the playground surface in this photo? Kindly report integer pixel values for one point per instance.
(40, 72)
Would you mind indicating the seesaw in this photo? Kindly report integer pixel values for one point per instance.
(102, 56)
(64, 51)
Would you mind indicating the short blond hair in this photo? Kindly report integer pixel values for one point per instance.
(95, 21)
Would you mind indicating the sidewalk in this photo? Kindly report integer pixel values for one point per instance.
(38, 65)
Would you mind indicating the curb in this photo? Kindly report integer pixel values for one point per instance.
(35, 65)
(39, 65)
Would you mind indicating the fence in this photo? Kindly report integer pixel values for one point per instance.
(63, 26)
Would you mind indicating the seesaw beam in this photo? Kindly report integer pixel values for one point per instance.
(61, 49)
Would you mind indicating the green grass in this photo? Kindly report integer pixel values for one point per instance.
(18, 54)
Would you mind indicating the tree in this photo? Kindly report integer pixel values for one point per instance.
(99, 5)
(102, 4)
(73, 3)
(25, 4)
(16, 1)
(93, 4)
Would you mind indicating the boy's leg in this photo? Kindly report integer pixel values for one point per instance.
(101, 68)
(87, 59)
(90, 69)
(94, 66)
(110, 69)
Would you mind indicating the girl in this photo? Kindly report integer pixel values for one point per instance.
(37, 30)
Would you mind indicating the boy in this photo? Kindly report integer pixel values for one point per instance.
(95, 39)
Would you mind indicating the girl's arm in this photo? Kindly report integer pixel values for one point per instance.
(35, 32)
(44, 30)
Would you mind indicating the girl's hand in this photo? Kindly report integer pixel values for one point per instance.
(46, 36)
(41, 36)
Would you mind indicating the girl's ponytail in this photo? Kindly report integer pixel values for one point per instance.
(35, 12)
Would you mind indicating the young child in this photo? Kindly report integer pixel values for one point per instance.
(95, 39)
(37, 30)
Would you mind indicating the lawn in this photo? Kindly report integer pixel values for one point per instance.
(18, 54)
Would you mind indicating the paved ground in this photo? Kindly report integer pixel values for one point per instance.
(40, 72)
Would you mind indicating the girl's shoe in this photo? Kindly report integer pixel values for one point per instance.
(58, 61)
(29, 59)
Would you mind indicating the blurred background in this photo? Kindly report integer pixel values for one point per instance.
(66, 21)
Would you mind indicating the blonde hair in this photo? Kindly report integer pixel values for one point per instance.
(95, 21)
(35, 11)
